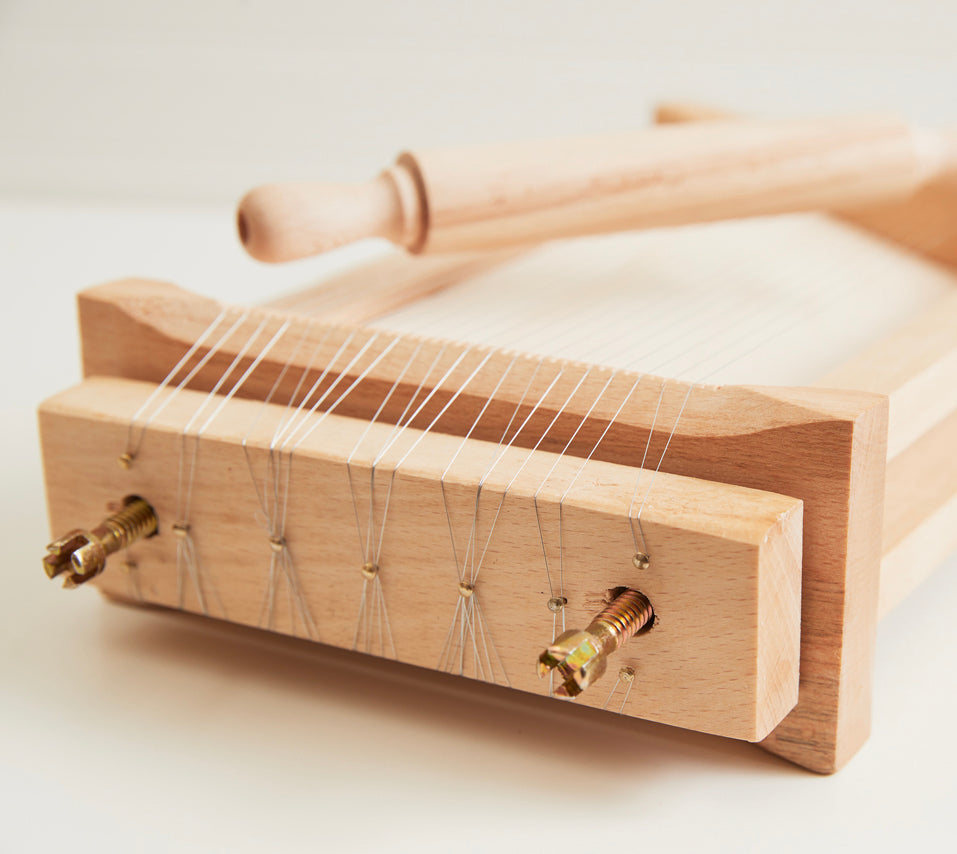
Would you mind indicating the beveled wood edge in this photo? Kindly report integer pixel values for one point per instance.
(142, 314)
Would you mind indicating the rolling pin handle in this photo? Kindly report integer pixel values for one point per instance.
(285, 222)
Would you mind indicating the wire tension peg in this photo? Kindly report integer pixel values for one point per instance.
(83, 553)
(581, 657)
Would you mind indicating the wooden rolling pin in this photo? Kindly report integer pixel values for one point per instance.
(519, 193)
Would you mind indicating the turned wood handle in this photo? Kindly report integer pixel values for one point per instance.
(521, 193)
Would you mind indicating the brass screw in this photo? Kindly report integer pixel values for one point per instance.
(83, 553)
(369, 570)
(466, 590)
(641, 560)
(581, 657)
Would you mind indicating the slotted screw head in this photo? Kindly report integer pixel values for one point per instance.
(82, 554)
(61, 554)
(577, 657)
(581, 657)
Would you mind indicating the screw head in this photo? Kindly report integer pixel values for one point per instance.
(79, 553)
(57, 560)
(369, 570)
(466, 590)
(82, 554)
(641, 560)
(556, 603)
(578, 658)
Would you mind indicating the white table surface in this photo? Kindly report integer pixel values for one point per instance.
(135, 730)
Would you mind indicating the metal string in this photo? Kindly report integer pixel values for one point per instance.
(379, 613)
(187, 562)
(280, 560)
(133, 446)
(468, 613)
(630, 683)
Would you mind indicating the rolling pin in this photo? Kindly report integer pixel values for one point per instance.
(488, 197)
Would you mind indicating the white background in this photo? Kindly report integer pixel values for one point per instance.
(127, 130)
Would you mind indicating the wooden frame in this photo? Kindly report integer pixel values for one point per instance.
(834, 450)
(827, 448)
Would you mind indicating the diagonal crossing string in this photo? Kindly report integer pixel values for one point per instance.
(626, 675)
(468, 614)
(376, 624)
(279, 464)
(134, 438)
(372, 620)
(373, 614)
(465, 612)
(786, 322)
(557, 604)
(281, 565)
(187, 561)
(403, 421)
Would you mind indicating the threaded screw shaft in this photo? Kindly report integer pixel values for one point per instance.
(625, 616)
(83, 553)
(580, 657)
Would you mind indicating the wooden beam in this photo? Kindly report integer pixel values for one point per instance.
(920, 513)
(732, 552)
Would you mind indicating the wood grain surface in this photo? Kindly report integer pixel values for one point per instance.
(723, 653)
(824, 447)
